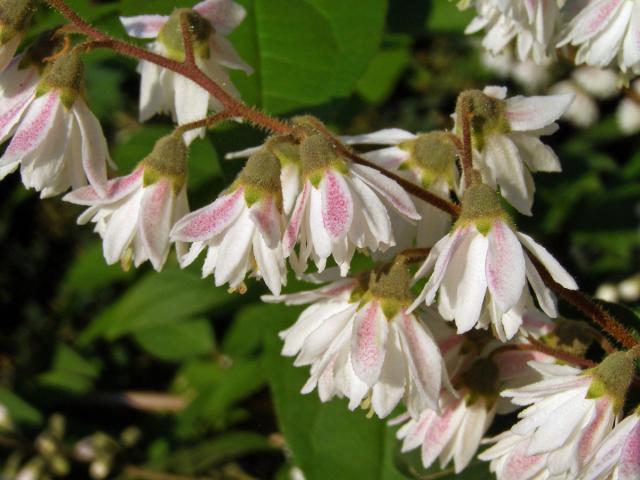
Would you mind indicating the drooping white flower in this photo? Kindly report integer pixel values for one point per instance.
(362, 344)
(242, 229)
(505, 134)
(135, 216)
(606, 31)
(569, 413)
(57, 142)
(618, 456)
(628, 113)
(531, 24)
(342, 206)
(482, 264)
(164, 91)
(428, 160)
(15, 18)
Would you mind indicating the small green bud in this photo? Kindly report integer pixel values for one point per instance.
(613, 377)
(168, 159)
(487, 115)
(316, 155)
(481, 206)
(392, 288)
(66, 74)
(482, 379)
(200, 29)
(15, 18)
(261, 175)
(435, 155)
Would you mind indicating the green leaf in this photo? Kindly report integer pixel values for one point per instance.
(382, 74)
(20, 411)
(327, 440)
(445, 17)
(70, 372)
(178, 341)
(157, 299)
(305, 52)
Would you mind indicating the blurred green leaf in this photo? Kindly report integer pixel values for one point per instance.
(445, 17)
(20, 411)
(70, 371)
(383, 73)
(177, 341)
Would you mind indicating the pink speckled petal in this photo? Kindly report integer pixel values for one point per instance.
(209, 221)
(630, 455)
(297, 217)
(267, 218)
(117, 189)
(337, 204)
(368, 343)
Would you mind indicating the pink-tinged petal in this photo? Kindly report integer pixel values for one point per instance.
(389, 389)
(156, 212)
(207, 222)
(440, 432)
(630, 455)
(368, 343)
(423, 359)
(95, 153)
(519, 465)
(224, 15)
(8, 50)
(412, 434)
(591, 20)
(337, 204)
(592, 434)
(390, 190)
(496, 92)
(143, 26)
(472, 284)
(387, 136)
(505, 266)
(117, 189)
(293, 229)
(36, 124)
(390, 158)
(556, 270)
(227, 56)
(609, 453)
(120, 228)
(267, 218)
(333, 290)
(533, 113)
(12, 110)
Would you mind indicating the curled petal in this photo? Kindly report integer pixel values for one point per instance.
(155, 221)
(556, 270)
(143, 26)
(266, 216)
(117, 189)
(224, 15)
(533, 113)
(94, 147)
(387, 136)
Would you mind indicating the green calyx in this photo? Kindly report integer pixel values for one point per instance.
(261, 176)
(613, 377)
(15, 18)
(200, 30)
(392, 288)
(435, 155)
(66, 75)
(168, 159)
(487, 115)
(317, 154)
(482, 380)
(481, 207)
(285, 149)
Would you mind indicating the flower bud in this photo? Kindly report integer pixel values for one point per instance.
(200, 30)
(434, 154)
(613, 377)
(168, 159)
(15, 18)
(66, 74)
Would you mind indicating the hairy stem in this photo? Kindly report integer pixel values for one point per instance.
(207, 122)
(471, 176)
(189, 57)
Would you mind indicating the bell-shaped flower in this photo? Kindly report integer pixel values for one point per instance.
(242, 229)
(481, 263)
(428, 160)
(57, 142)
(606, 31)
(15, 19)
(342, 206)
(163, 91)
(569, 413)
(362, 344)
(137, 213)
(532, 25)
(505, 134)
(628, 113)
(618, 456)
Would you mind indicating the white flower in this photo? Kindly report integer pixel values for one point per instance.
(532, 24)
(506, 139)
(57, 142)
(242, 229)
(628, 113)
(342, 206)
(164, 91)
(618, 456)
(530, 75)
(135, 216)
(606, 31)
(569, 413)
(428, 160)
(362, 344)
(483, 260)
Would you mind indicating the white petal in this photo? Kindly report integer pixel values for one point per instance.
(533, 113)
(143, 26)
(387, 136)
(156, 213)
(224, 15)
(368, 342)
(270, 264)
(472, 285)
(95, 152)
(556, 270)
(505, 266)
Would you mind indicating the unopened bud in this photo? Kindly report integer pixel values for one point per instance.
(200, 30)
(613, 377)
(168, 159)
(435, 155)
(15, 18)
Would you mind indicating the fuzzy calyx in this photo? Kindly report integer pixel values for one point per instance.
(200, 30)
(286, 150)
(392, 287)
(260, 176)
(317, 154)
(66, 75)
(168, 159)
(435, 154)
(613, 377)
(481, 207)
(15, 18)
(487, 115)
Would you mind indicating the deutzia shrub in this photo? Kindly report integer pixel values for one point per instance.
(432, 309)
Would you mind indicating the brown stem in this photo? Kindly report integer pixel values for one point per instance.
(207, 122)
(632, 94)
(189, 57)
(235, 107)
(587, 306)
(471, 176)
(414, 255)
(536, 346)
